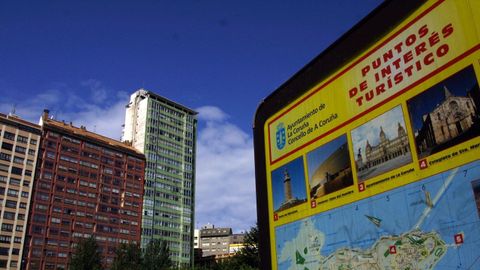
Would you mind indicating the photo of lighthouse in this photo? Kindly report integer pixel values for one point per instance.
(288, 185)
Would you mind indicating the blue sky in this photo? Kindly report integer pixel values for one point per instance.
(81, 59)
(297, 175)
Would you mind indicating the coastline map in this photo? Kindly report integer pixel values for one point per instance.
(430, 224)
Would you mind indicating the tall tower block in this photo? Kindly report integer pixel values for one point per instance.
(165, 132)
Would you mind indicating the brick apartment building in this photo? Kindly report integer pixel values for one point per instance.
(85, 185)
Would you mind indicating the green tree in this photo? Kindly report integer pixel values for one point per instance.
(86, 255)
(248, 255)
(127, 257)
(156, 256)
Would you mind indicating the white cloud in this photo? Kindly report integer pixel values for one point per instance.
(64, 104)
(97, 90)
(107, 121)
(211, 113)
(225, 194)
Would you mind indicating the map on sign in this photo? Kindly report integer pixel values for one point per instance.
(430, 224)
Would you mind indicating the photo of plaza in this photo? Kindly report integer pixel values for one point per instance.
(288, 185)
(446, 114)
(329, 168)
(381, 145)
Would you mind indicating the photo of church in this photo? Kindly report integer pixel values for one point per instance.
(381, 145)
(288, 185)
(446, 114)
(329, 168)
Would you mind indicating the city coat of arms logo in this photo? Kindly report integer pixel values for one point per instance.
(281, 137)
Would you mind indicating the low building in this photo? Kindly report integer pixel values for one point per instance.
(219, 242)
(215, 241)
(196, 238)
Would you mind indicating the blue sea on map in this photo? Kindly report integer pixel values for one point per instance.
(399, 211)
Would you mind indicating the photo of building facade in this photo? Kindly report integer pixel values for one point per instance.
(329, 168)
(450, 113)
(165, 132)
(19, 142)
(87, 185)
(381, 145)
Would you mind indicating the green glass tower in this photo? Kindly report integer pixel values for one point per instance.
(165, 132)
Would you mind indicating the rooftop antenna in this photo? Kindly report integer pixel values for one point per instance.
(12, 112)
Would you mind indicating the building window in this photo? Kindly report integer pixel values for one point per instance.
(7, 228)
(5, 239)
(9, 215)
(14, 181)
(5, 157)
(12, 192)
(7, 146)
(55, 220)
(4, 168)
(22, 139)
(18, 160)
(9, 136)
(11, 204)
(20, 149)
(17, 171)
(47, 175)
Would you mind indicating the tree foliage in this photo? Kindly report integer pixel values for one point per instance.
(156, 256)
(86, 256)
(127, 257)
(248, 255)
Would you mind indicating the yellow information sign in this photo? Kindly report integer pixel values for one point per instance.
(404, 111)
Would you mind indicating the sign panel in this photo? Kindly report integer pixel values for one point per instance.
(377, 167)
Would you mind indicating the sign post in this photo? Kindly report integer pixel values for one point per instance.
(368, 158)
